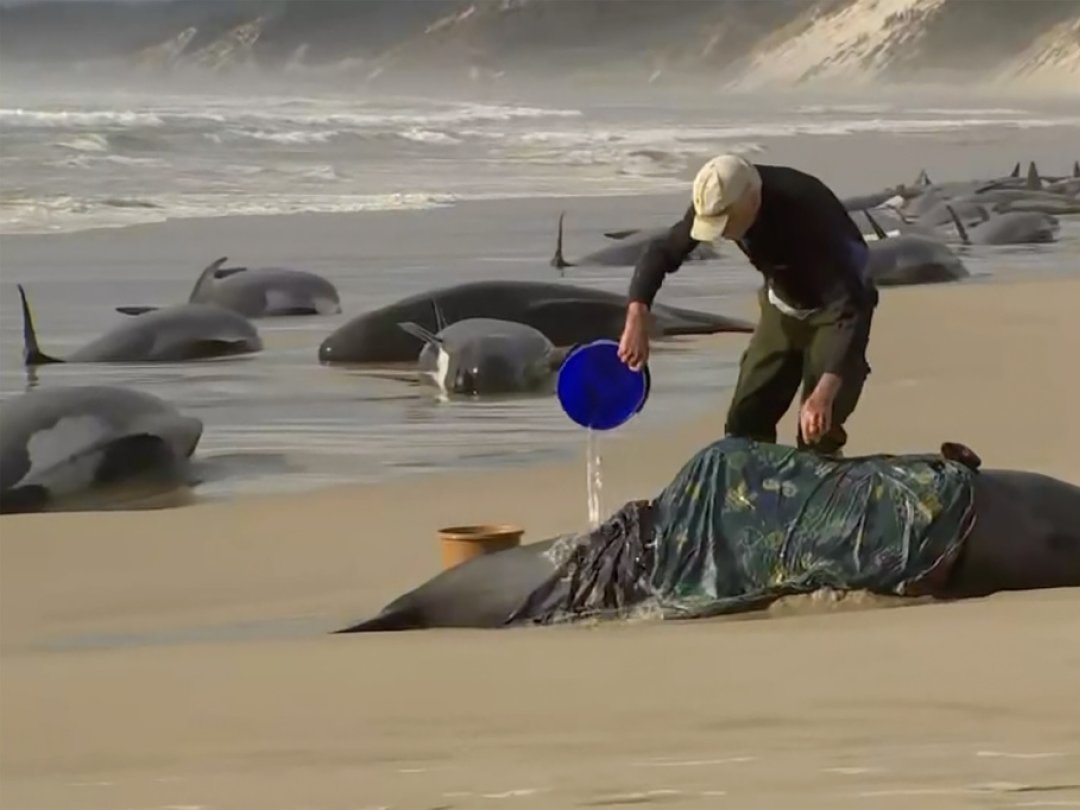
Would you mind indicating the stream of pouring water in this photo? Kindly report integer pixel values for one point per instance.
(594, 478)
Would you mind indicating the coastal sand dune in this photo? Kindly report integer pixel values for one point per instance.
(178, 658)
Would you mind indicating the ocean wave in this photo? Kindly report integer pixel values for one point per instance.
(70, 119)
(94, 161)
(64, 213)
(91, 142)
(428, 136)
(969, 111)
(307, 117)
(287, 137)
(833, 109)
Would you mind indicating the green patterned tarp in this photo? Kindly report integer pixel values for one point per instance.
(744, 523)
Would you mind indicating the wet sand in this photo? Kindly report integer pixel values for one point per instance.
(176, 659)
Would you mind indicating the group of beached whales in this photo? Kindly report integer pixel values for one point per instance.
(105, 444)
(474, 338)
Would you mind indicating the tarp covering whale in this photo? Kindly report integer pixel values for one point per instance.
(745, 523)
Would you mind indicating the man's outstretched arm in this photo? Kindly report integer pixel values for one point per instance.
(661, 256)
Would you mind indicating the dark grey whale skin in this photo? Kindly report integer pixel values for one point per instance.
(1026, 537)
(174, 334)
(567, 315)
(100, 439)
(259, 292)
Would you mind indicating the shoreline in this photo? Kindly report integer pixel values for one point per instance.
(899, 373)
(181, 657)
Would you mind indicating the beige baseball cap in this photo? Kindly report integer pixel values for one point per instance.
(718, 184)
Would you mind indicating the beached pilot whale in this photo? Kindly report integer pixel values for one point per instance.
(182, 332)
(1010, 228)
(485, 356)
(630, 243)
(90, 446)
(567, 315)
(910, 258)
(1003, 530)
(260, 292)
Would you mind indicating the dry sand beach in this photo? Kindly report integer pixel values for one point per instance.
(178, 659)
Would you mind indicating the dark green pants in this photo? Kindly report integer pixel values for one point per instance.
(783, 353)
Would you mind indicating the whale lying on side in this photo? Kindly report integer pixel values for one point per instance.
(566, 315)
(910, 258)
(91, 447)
(182, 332)
(997, 530)
(260, 292)
(631, 243)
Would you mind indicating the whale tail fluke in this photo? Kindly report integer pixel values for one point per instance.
(387, 621)
(558, 261)
(32, 353)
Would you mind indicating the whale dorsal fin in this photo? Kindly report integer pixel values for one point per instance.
(557, 261)
(874, 224)
(206, 277)
(1034, 182)
(32, 354)
(960, 229)
(923, 179)
(420, 333)
(1016, 170)
(1076, 168)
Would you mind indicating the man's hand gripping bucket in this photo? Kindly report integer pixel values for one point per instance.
(599, 391)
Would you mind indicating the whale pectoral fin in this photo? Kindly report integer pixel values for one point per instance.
(440, 318)
(558, 355)
(960, 229)
(135, 310)
(420, 333)
(621, 234)
(878, 231)
(225, 272)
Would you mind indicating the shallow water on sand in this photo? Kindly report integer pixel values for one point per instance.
(280, 421)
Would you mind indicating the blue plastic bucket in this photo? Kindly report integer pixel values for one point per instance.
(598, 390)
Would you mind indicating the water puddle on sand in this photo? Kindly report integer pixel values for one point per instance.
(594, 478)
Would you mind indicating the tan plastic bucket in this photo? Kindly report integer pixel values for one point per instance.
(461, 543)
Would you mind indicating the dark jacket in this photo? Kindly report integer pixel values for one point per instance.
(803, 242)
